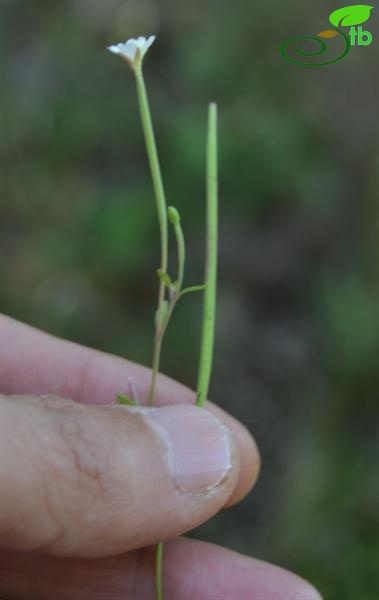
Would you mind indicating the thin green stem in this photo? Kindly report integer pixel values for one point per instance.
(155, 367)
(162, 218)
(162, 213)
(158, 571)
(209, 307)
(171, 307)
(181, 254)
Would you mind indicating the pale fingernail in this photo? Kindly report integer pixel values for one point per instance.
(199, 445)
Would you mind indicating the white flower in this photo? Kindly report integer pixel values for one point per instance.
(133, 50)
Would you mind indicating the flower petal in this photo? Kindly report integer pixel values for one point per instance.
(114, 49)
(148, 43)
(130, 48)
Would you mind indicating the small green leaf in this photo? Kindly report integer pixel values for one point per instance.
(193, 288)
(350, 15)
(124, 399)
(164, 277)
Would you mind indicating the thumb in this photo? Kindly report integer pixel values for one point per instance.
(91, 481)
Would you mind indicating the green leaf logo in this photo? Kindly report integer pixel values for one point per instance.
(350, 15)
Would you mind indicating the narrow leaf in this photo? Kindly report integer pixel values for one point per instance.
(193, 288)
(209, 304)
(124, 399)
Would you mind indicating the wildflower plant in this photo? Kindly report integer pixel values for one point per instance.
(171, 289)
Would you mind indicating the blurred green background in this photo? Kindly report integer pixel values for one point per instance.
(298, 316)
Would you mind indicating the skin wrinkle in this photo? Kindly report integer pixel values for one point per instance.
(90, 472)
(75, 452)
(89, 475)
(90, 461)
(90, 457)
(53, 517)
(92, 464)
(17, 442)
(48, 547)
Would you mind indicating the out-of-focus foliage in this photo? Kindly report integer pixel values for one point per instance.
(298, 321)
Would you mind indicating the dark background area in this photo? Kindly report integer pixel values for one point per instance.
(297, 343)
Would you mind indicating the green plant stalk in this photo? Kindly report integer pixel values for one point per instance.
(158, 571)
(162, 217)
(209, 306)
(162, 213)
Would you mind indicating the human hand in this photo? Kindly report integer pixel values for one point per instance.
(86, 487)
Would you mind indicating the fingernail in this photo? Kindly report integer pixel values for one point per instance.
(199, 446)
